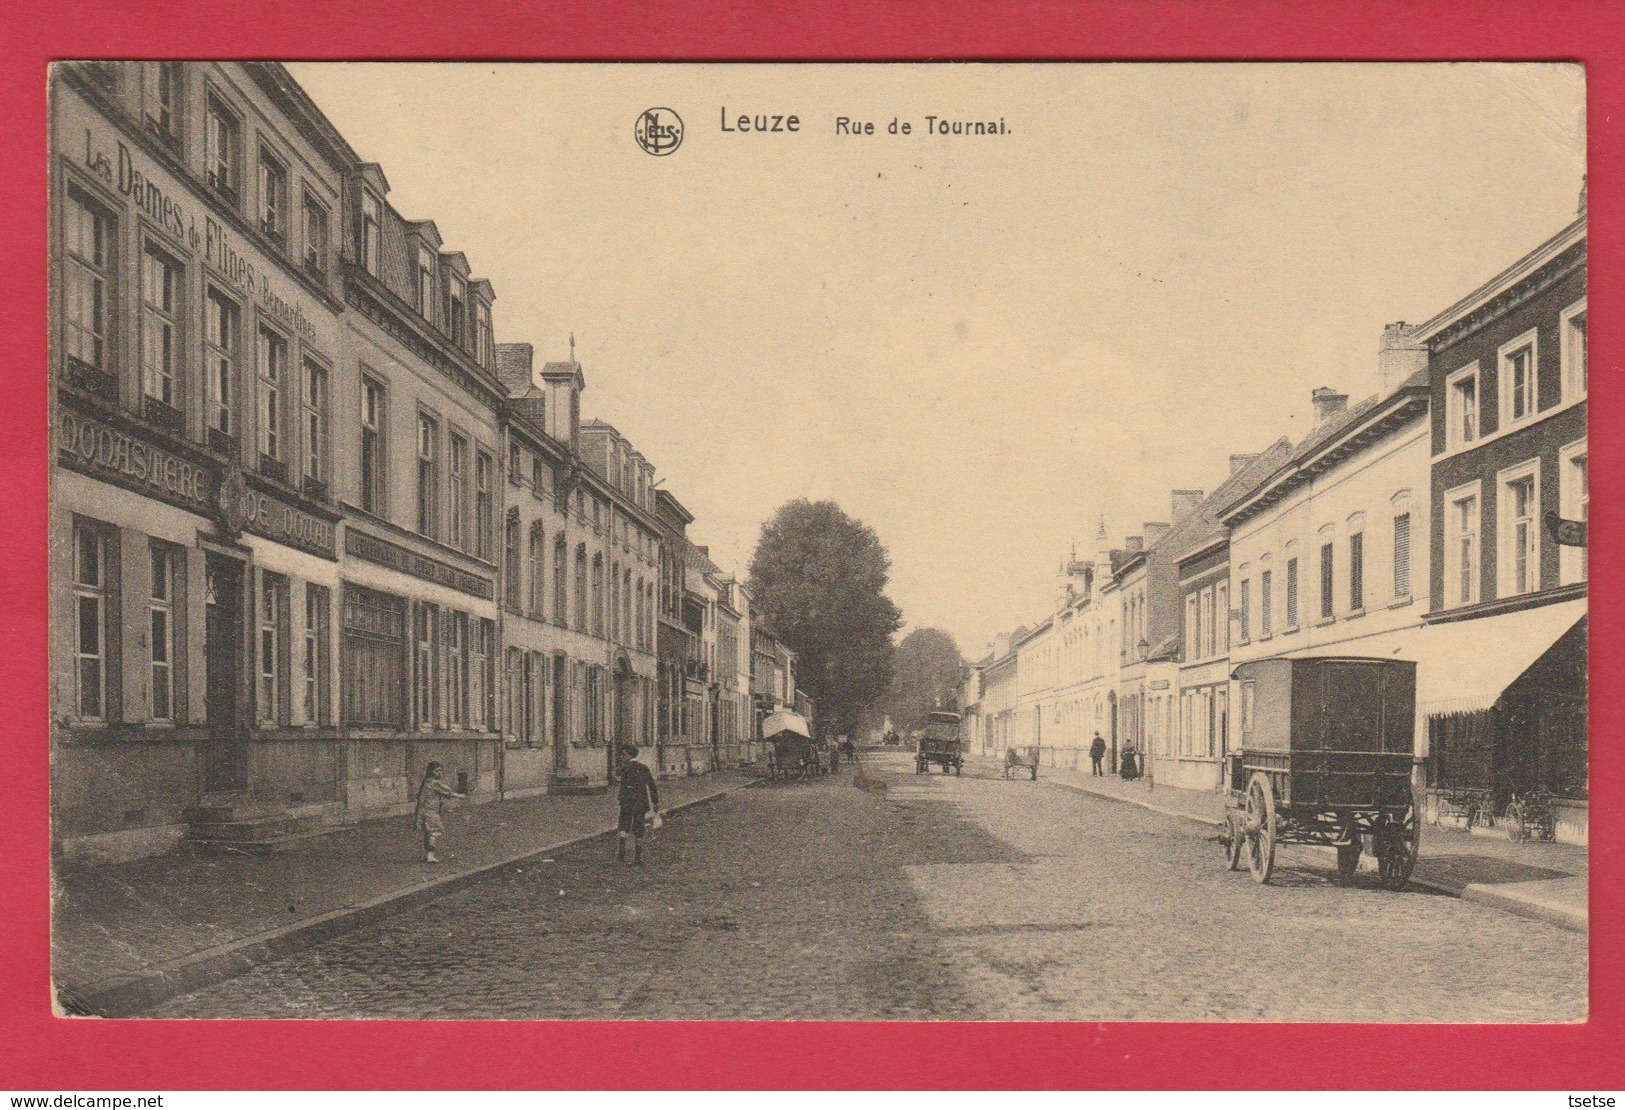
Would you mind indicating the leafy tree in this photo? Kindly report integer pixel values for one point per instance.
(818, 578)
(927, 675)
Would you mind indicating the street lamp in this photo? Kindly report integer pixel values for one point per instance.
(1145, 648)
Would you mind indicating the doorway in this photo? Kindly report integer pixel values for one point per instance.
(225, 752)
(561, 717)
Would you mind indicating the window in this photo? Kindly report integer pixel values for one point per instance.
(538, 572)
(639, 615)
(1572, 343)
(456, 490)
(315, 422)
(1221, 618)
(597, 594)
(313, 658)
(1461, 406)
(221, 133)
(315, 235)
(561, 599)
(425, 289)
(162, 97)
(483, 505)
(160, 289)
(424, 620)
(1357, 571)
(457, 309)
(89, 238)
(1266, 622)
(1402, 555)
(486, 339)
(1519, 556)
(516, 456)
(1461, 546)
(1246, 609)
(457, 670)
(161, 631)
(481, 677)
(371, 233)
(273, 198)
(1519, 379)
(374, 679)
(538, 476)
(1292, 592)
(510, 563)
(1574, 502)
(428, 475)
(1247, 693)
(273, 371)
(273, 622)
(1326, 597)
(372, 446)
(91, 583)
(581, 588)
(626, 606)
(220, 324)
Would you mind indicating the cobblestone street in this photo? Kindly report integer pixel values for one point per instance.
(968, 898)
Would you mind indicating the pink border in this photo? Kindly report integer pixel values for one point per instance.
(49, 1054)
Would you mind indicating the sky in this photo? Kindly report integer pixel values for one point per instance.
(980, 346)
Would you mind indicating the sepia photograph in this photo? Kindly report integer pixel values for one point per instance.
(818, 542)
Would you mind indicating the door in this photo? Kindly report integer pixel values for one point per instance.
(561, 719)
(225, 752)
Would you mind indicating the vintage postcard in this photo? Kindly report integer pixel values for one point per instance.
(844, 542)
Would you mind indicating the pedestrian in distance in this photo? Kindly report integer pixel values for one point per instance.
(639, 798)
(1097, 752)
(834, 759)
(432, 794)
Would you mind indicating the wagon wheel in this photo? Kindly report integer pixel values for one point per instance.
(1397, 846)
(1235, 839)
(1261, 827)
(1348, 857)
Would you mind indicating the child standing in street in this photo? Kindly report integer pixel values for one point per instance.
(431, 794)
(639, 796)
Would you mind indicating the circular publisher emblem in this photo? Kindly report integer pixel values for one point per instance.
(231, 500)
(659, 131)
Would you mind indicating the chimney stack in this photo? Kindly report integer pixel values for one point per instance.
(1399, 356)
(1185, 502)
(1133, 544)
(1239, 461)
(1153, 531)
(1328, 404)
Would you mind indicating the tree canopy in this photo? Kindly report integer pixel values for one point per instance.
(818, 579)
(927, 674)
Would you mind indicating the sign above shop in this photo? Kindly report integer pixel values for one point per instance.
(241, 507)
(396, 557)
(124, 458)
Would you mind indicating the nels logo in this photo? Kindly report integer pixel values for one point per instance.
(659, 131)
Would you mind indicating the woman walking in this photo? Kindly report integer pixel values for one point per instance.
(639, 797)
(431, 794)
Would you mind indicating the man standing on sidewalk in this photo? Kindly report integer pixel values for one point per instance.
(1097, 752)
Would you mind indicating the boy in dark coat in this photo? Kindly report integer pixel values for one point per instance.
(639, 796)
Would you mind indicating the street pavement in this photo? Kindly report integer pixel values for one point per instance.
(940, 897)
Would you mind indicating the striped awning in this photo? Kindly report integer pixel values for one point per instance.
(1465, 666)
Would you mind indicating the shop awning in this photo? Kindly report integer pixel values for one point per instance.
(1465, 666)
(784, 721)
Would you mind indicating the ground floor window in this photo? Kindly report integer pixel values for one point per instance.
(425, 621)
(93, 618)
(313, 656)
(271, 701)
(373, 659)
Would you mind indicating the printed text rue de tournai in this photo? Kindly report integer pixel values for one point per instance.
(735, 121)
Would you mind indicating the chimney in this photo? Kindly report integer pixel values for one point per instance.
(1185, 502)
(1132, 544)
(1237, 462)
(514, 366)
(1153, 531)
(1328, 403)
(1399, 356)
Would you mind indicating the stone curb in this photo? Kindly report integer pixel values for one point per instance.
(130, 994)
(1521, 905)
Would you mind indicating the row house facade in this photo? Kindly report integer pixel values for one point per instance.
(1509, 465)
(310, 526)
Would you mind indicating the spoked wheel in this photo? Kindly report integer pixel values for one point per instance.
(1261, 828)
(1348, 858)
(1233, 847)
(1397, 846)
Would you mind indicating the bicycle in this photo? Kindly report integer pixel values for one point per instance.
(1530, 816)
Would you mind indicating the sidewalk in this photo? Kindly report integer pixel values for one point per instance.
(127, 936)
(1547, 882)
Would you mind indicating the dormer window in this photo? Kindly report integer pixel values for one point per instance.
(457, 309)
(371, 232)
(486, 338)
(426, 262)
